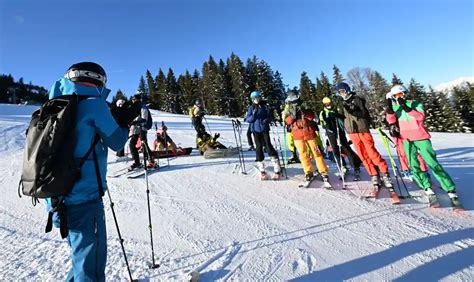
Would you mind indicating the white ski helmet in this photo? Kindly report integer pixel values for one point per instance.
(396, 89)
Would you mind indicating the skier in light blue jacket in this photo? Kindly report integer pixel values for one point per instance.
(84, 208)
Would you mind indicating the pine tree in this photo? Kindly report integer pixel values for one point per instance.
(187, 89)
(396, 80)
(251, 76)
(174, 103)
(237, 86)
(155, 103)
(378, 88)
(160, 84)
(307, 91)
(416, 91)
(463, 100)
(323, 89)
(336, 77)
(209, 77)
(225, 100)
(118, 96)
(440, 115)
(143, 89)
(279, 92)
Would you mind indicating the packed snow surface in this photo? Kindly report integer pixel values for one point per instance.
(208, 217)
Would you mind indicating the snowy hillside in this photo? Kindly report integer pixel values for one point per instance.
(230, 226)
(459, 82)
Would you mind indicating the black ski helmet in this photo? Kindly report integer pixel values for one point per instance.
(87, 72)
(198, 102)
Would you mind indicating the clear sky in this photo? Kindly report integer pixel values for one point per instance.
(431, 41)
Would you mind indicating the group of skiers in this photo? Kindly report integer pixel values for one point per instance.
(98, 126)
(347, 113)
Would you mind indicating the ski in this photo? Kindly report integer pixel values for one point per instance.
(375, 192)
(118, 172)
(263, 175)
(276, 176)
(140, 172)
(395, 198)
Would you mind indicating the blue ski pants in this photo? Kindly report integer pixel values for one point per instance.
(88, 241)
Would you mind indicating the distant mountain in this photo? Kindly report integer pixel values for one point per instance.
(446, 87)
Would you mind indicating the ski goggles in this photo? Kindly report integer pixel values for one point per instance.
(84, 73)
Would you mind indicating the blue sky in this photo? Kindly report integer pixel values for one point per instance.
(430, 40)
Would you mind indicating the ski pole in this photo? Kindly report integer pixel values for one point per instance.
(150, 227)
(119, 235)
(234, 128)
(207, 124)
(339, 163)
(281, 150)
(240, 143)
(385, 140)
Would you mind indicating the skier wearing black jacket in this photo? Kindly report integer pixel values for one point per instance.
(331, 121)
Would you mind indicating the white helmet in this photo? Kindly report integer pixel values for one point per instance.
(120, 102)
(396, 89)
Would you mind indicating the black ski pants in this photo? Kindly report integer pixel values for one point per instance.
(263, 139)
(134, 150)
(249, 137)
(346, 149)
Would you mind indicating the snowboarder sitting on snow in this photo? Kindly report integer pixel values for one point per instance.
(138, 130)
(205, 141)
(410, 115)
(87, 236)
(331, 120)
(259, 118)
(304, 130)
(357, 123)
(163, 141)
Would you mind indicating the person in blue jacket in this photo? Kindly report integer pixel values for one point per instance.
(259, 118)
(87, 236)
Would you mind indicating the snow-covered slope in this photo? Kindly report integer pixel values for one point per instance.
(447, 87)
(236, 227)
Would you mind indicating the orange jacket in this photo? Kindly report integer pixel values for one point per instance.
(303, 127)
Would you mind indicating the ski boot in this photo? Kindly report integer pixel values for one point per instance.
(326, 183)
(387, 181)
(276, 175)
(135, 166)
(294, 158)
(152, 165)
(455, 203)
(261, 169)
(252, 148)
(357, 174)
(406, 174)
(376, 184)
(432, 199)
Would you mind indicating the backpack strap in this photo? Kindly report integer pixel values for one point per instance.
(97, 170)
(57, 203)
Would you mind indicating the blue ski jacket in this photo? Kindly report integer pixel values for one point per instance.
(259, 117)
(93, 117)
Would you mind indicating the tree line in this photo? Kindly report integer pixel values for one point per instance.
(15, 92)
(224, 86)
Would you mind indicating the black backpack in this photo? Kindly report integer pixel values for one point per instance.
(49, 167)
(149, 121)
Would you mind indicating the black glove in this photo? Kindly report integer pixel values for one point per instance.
(394, 130)
(126, 114)
(389, 106)
(403, 104)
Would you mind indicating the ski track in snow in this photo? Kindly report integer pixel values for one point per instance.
(229, 226)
